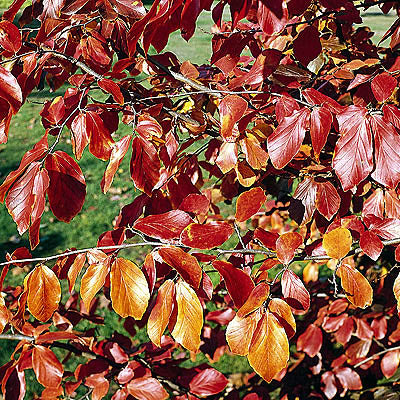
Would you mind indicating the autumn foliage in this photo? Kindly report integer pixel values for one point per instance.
(264, 192)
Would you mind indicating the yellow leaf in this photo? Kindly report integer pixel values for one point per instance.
(189, 321)
(357, 288)
(239, 333)
(269, 349)
(44, 292)
(337, 243)
(283, 312)
(93, 280)
(4, 314)
(396, 291)
(129, 290)
(161, 312)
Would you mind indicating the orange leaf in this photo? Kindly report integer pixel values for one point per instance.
(239, 333)
(48, 369)
(255, 155)
(129, 290)
(257, 297)
(187, 265)
(269, 349)
(44, 292)
(231, 109)
(294, 292)
(357, 288)
(337, 243)
(93, 280)
(189, 321)
(147, 388)
(396, 291)
(161, 312)
(283, 313)
(248, 203)
(286, 246)
(75, 269)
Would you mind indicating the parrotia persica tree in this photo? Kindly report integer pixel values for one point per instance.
(294, 122)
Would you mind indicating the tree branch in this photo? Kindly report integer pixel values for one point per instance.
(16, 336)
(376, 355)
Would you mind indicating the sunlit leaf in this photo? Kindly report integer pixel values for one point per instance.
(257, 297)
(283, 313)
(147, 388)
(294, 292)
(189, 321)
(286, 246)
(249, 203)
(208, 382)
(129, 291)
(337, 243)
(310, 341)
(48, 369)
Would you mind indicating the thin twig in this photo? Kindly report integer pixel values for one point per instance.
(16, 336)
(376, 355)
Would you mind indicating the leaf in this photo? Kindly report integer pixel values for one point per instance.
(390, 362)
(93, 280)
(257, 297)
(238, 283)
(117, 154)
(285, 141)
(165, 226)
(186, 265)
(75, 269)
(306, 45)
(48, 369)
(269, 349)
(337, 243)
(146, 388)
(286, 246)
(327, 200)
(231, 109)
(255, 155)
(206, 236)
(208, 382)
(10, 38)
(10, 90)
(396, 291)
(44, 292)
(349, 379)
(111, 87)
(67, 189)
(272, 17)
(227, 157)
(283, 313)
(267, 238)
(79, 134)
(352, 160)
(329, 381)
(239, 333)
(371, 245)
(129, 290)
(37, 152)
(5, 315)
(320, 125)
(383, 86)
(306, 192)
(357, 289)
(387, 158)
(161, 312)
(195, 203)
(294, 292)
(145, 165)
(310, 341)
(189, 321)
(249, 203)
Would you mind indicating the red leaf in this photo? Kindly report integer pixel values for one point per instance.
(164, 226)
(349, 379)
(375, 204)
(10, 90)
(371, 245)
(307, 46)
(147, 388)
(310, 341)
(48, 369)
(390, 362)
(79, 135)
(294, 292)
(329, 381)
(231, 109)
(67, 188)
(306, 192)
(238, 283)
(255, 300)
(285, 107)
(285, 141)
(37, 152)
(249, 203)
(267, 238)
(206, 236)
(145, 165)
(383, 86)
(317, 98)
(379, 326)
(327, 200)
(352, 161)
(208, 382)
(111, 87)
(320, 125)
(147, 127)
(227, 157)
(195, 203)
(286, 246)
(117, 154)
(10, 38)
(387, 156)
(272, 17)
(187, 265)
